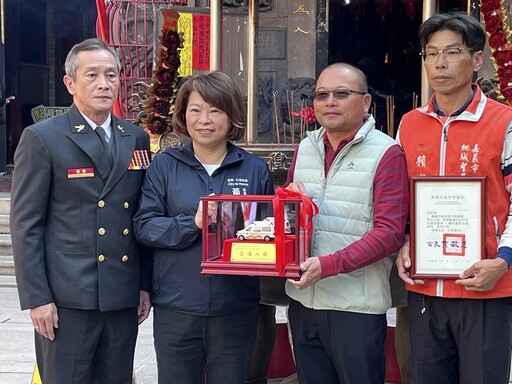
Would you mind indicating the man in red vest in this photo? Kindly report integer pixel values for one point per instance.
(460, 328)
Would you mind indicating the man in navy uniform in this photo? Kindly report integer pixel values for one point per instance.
(75, 189)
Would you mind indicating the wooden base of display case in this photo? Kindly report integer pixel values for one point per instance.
(256, 257)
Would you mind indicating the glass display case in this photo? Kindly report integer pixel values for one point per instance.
(256, 235)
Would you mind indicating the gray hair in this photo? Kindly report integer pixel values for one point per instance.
(87, 45)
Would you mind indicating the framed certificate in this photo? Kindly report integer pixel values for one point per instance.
(448, 225)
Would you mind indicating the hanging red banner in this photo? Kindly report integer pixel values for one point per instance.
(103, 34)
(102, 20)
(201, 42)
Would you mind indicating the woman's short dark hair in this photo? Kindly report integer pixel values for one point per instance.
(218, 90)
(472, 32)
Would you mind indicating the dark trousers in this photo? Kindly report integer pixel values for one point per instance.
(402, 344)
(187, 346)
(336, 346)
(264, 344)
(460, 340)
(89, 347)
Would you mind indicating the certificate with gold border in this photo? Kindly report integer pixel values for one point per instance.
(448, 216)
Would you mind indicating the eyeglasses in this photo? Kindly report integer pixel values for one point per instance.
(451, 55)
(339, 94)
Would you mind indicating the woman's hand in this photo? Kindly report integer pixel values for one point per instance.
(212, 213)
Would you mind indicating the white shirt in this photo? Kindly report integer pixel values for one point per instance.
(106, 125)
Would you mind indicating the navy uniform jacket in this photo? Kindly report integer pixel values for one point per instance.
(71, 216)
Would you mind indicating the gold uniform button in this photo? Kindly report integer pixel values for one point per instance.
(101, 203)
(126, 232)
(102, 231)
(124, 259)
(126, 205)
(101, 258)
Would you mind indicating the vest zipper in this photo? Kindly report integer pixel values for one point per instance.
(442, 164)
(497, 227)
(442, 152)
(445, 132)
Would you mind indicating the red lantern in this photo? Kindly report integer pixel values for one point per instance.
(411, 7)
(357, 9)
(384, 8)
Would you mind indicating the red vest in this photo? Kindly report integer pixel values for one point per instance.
(470, 144)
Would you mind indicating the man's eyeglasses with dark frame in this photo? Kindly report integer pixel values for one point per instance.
(339, 94)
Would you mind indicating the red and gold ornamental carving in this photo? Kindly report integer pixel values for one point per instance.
(494, 17)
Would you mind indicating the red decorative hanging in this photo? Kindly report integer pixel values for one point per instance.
(180, 3)
(411, 7)
(384, 8)
(357, 8)
(494, 16)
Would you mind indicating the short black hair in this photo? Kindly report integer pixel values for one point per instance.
(472, 32)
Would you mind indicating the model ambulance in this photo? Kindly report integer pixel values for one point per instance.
(261, 230)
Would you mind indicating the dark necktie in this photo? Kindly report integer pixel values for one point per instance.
(106, 145)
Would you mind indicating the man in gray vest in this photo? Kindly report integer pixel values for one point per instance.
(357, 176)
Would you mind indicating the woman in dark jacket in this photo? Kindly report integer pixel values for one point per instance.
(201, 323)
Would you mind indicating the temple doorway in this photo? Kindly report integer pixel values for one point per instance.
(381, 38)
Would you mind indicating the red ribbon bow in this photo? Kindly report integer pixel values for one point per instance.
(307, 211)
